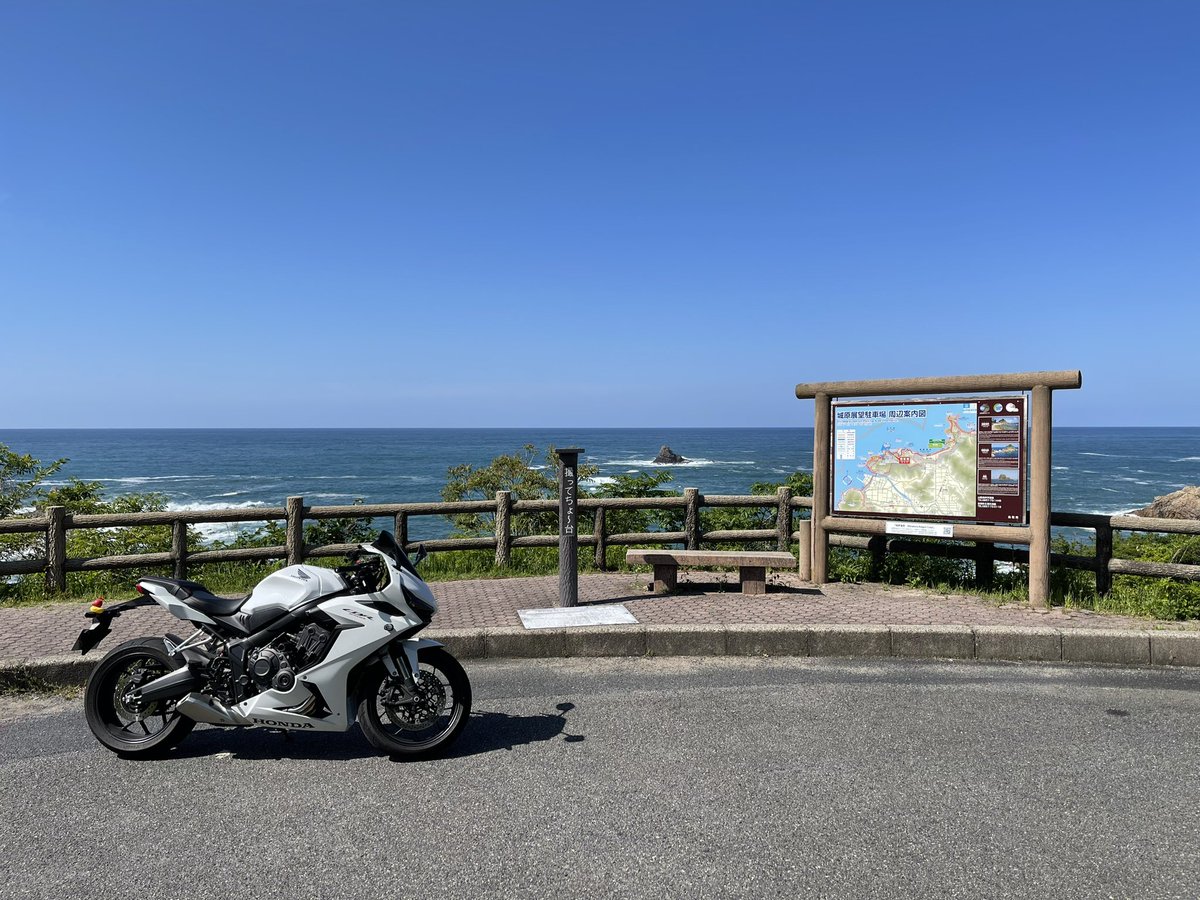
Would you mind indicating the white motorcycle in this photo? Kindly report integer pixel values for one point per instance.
(310, 649)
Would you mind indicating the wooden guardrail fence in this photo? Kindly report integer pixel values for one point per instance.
(55, 522)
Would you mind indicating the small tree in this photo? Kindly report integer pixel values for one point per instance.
(519, 472)
(21, 478)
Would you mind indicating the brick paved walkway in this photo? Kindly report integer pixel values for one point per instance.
(703, 598)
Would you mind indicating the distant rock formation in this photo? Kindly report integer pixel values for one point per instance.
(668, 457)
(1183, 504)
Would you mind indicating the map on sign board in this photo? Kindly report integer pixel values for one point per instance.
(937, 460)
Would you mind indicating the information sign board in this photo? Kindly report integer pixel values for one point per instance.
(931, 459)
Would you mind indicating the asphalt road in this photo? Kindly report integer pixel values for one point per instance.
(647, 778)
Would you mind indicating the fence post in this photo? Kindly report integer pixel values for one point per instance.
(601, 541)
(691, 521)
(56, 549)
(295, 530)
(877, 545)
(985, 564)
(179, 548)
(1104, 553)
(783, 519)
(804, 550)
(503, 528)
(401, 523)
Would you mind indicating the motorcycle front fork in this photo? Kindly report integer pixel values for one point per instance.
(398, 668)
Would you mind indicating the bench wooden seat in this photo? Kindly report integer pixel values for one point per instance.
(752, 565)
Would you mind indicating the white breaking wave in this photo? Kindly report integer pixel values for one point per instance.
(218, 531)
(693, 463)
(204, 506)
(1187, 459)
(150, 479)
(597, 481)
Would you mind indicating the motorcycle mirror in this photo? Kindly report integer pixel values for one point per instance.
(421, 554)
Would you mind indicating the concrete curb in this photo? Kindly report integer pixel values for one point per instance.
(958, 642)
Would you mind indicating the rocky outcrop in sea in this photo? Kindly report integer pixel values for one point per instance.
(668, 457)
(1182, 504)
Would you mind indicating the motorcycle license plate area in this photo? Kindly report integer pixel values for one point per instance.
(91, 636)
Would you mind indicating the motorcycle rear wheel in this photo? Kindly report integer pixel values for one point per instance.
(125, 727)
(425, 727)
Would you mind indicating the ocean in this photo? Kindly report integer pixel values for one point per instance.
(1103, 470)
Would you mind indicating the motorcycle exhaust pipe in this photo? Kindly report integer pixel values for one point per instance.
(205, 709)
(168, 687)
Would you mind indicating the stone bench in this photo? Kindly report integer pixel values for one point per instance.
(752, 565)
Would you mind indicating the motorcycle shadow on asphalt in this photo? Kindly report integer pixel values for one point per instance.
(486, 732)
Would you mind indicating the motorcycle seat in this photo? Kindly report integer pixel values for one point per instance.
(198, 597)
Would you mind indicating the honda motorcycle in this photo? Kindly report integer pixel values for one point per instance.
(309, 649)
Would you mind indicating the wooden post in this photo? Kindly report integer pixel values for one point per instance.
(503, 529)
(601, 542)
(568, 526)
(1039, 499)
(783, 519)
(295, 530)
(691, 521)
(820, 507)
(985, 564)
(400, 524)
(56, 549)
(877, 545)
(1104, 555)
(804, 550)
(179, 548)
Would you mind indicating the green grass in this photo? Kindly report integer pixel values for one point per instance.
(21, 680)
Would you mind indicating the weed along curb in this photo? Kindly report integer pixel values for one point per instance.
(944, 642)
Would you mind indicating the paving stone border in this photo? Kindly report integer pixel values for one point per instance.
(954, 642)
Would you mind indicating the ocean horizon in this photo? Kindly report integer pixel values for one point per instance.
(1106, 469)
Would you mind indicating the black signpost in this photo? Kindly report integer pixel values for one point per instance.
(568, 522)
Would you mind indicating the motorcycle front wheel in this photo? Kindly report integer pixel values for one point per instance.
(424, 726)
(118, 720)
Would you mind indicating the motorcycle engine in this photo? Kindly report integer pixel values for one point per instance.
(276, 664)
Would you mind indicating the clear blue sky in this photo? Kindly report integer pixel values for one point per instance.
(590, 214)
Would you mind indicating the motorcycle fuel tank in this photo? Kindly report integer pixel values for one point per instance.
(292, 586)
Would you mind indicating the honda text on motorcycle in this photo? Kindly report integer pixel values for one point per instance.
(310, 649)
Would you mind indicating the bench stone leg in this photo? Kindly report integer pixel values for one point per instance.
(665, 578)
(753, 578)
